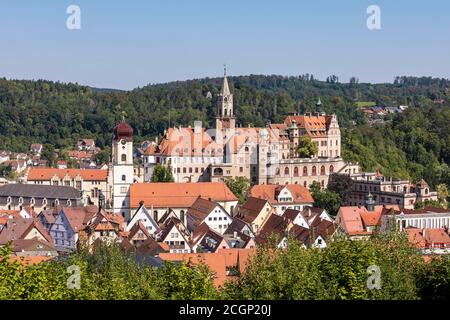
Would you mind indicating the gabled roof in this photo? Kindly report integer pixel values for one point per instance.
(168, 225)
(436, 236)
(178, 195)
(22, 245)
(152, 248)
(44, 174)
(251, 209)
(270, 192)
(78, 217)
(136, 228)
(200, 209)
(415, 237)
(237, 225)
(274, 225)
(210, 240)
(17, 229)
(138, 216)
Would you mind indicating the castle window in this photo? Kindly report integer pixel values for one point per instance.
(322, 170)
(123, 177)
(314, 171)
(286, 171)
(331, 169)
(305, 171)
(124, 158)
(295, 171)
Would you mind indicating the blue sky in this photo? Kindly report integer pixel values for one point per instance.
(126, 44)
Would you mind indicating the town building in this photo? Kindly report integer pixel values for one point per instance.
(91, 182)
(210, 213)
(427, 218)
(86, 145)
(163, 198)
(360, 222)
(388, 191)
(38, 197)
(282, 197)
(255, 212)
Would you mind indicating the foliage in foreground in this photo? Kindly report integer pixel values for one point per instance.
(336, 272)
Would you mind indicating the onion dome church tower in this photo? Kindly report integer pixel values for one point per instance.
(122, 168)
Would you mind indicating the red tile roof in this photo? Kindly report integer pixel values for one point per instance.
(178, 195)
(45, 174)
(270, 192)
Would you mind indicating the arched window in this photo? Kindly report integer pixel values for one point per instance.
(322, 183)
(305, 171)
(124, 157)
(295, 171)
(314, 171)
(426, 190)
(322, 170)
(123, 177)
(277, 172)
(331, 169)
(304, 184)
(286, 171)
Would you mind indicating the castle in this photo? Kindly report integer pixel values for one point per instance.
(264, 155)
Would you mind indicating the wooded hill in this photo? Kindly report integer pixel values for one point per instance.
(414, 144)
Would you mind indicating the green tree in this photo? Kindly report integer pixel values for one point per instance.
(162, 174)
(102, 157)
(48, 153)
(340, 184)
(326, 199)
(306, 147)
(6, 171)
(442, 193)
(238, 186)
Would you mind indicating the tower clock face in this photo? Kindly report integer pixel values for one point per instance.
(123, 142)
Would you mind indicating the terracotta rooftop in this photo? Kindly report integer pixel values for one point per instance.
(178, 195)
(45, 174)
(270, 192)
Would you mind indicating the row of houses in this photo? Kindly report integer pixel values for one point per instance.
(427, 229)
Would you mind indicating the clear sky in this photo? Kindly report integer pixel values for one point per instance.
(126, 44)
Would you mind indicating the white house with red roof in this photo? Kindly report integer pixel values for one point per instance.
(282, 197)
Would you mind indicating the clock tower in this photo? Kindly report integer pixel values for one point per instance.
(122, 168)
(225, 114)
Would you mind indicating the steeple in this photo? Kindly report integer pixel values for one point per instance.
(225, 113)
(225, 88)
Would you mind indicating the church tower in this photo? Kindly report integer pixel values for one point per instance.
(225, 114)
(122, 168)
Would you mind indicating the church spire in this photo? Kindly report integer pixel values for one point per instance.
(225, 88)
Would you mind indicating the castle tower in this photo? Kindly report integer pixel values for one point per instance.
(225, 114)
(122, 168)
